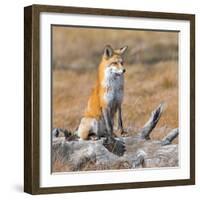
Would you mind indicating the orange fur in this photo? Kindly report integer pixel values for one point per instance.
(96, 101)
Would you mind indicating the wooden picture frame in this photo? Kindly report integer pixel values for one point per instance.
(32, 106)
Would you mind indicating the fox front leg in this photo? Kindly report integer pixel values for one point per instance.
(108, 122)
(113, 145)
(120, 130)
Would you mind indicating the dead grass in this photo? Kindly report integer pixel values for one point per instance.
(151, 78)
(145, 88)
(58, 166)
(83, 47)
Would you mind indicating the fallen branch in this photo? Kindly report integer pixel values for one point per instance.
(170, 137)
(139, 159)
(151, 123)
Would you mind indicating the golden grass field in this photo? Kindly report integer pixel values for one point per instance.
(77, 48)
(151, 77)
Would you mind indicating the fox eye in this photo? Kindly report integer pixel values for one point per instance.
(115, 63)
(122, 63)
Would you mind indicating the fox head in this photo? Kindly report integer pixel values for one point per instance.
(113, 60)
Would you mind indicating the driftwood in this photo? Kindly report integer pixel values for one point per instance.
(74, 154)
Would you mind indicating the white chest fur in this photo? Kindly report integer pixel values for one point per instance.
(114, 84)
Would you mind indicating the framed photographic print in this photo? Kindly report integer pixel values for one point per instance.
(109, 99)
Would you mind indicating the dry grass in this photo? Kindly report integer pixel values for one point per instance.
(82, 47)
(151, 77)
(58, 166)
(145, 88)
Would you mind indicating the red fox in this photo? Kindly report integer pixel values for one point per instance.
(106, 97)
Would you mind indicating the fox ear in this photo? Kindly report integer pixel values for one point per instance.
(108, 51)
(123, 49)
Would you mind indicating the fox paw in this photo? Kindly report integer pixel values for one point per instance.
(120, 133)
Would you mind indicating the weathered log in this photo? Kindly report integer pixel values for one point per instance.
(77, 155)
(102, 154)
(139, 159)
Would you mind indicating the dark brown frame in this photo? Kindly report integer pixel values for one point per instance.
(32, 105)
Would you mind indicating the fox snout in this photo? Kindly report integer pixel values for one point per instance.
(118, 70)
(121, 71)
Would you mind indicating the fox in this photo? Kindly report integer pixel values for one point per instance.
(106, 97)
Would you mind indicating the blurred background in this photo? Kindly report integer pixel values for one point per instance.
(83, 47)
(151, 74)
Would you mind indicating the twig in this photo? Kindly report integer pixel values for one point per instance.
(170, 137)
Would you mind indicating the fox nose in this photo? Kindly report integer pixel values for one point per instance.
(124, 70)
